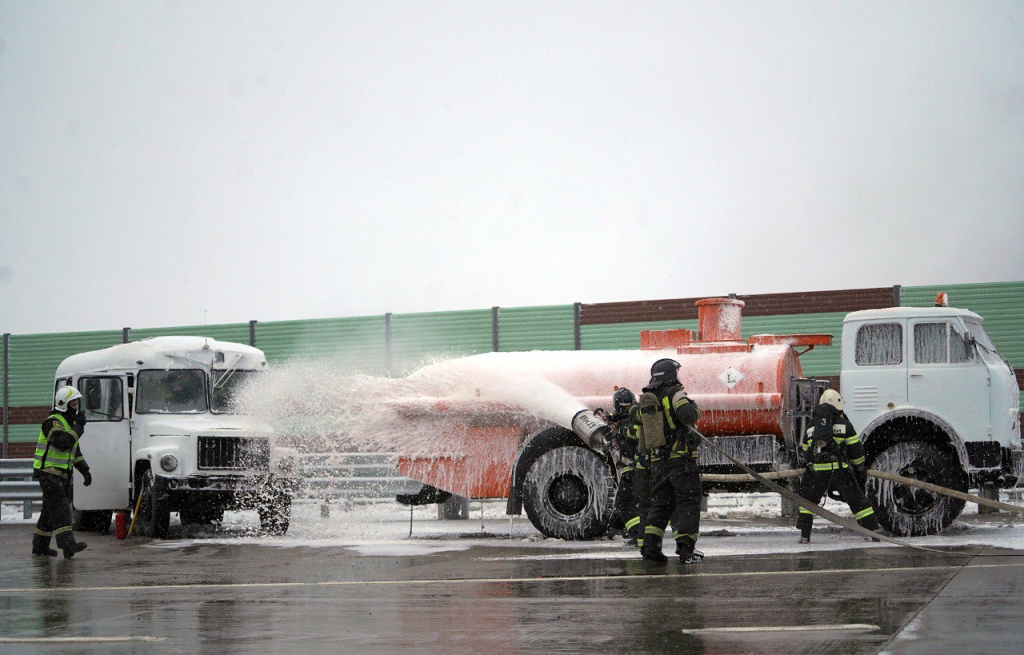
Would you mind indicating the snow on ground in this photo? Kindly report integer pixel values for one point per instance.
(735, 524)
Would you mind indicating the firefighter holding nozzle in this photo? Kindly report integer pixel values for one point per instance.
(623, 450)
(835, 465)
(56, 454)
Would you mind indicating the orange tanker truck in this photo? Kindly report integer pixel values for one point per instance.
(521, 425)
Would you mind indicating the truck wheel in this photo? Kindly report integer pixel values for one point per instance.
(909, 511)
(90, 521)
(568, 494)
(275, 514)
(154, 517)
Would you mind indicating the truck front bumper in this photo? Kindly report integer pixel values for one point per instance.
(227, 483)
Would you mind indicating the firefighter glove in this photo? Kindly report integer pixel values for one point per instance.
(87, 478)
(80, 422)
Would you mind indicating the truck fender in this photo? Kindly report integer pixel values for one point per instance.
(533, 447)
(869, 435)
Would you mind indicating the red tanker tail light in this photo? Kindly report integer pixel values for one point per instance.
(942, 299)
(720, 319)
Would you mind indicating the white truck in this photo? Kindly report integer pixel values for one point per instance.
(163, 436)
(934, 401)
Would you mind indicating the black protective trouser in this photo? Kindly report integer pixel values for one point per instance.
(642, 493)
(625, 503)
(815, 484)
(55, 517)
(675, 495)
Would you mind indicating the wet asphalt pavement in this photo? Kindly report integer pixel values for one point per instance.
(131, 597)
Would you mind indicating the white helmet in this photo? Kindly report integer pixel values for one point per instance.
(832, 397)
(64, 396)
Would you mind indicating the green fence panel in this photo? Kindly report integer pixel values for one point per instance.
(23, 433)
(417, 339)
(1001, 304)
(536, 328)
(34, 359)
(352, 344)
(233, 332)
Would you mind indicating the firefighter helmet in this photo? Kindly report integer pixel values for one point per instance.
(663, 372)
(832, 397)
(622, 399)
(64, 396)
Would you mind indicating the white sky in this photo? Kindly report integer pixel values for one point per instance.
(170, 163)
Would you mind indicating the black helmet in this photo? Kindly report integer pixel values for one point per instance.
(622, 399)
(663, 372)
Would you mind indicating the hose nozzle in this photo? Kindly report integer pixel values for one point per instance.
(594, 431)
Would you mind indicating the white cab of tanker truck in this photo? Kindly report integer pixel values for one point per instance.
(163, 436)
(932, 400)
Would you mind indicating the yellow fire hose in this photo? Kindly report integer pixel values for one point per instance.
(135, 513)
(892, 477)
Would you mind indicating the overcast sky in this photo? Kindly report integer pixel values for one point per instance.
(175, 163)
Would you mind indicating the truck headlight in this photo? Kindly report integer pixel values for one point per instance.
(168, 463)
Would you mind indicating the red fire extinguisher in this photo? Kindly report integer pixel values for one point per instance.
(121, 524)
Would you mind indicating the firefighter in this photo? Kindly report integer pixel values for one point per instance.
(56, 453)
(624, 451)
(668, 416)
(835, 464)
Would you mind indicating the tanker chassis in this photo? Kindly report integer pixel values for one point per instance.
(925, 387)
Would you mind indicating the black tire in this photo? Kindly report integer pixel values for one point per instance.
(275, 514)
(154, 517)
(569, 493)
(90, 520)
(908, 511)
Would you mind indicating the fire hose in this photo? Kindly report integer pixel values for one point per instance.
(845, 522)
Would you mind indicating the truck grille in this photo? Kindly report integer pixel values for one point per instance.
(234, 453)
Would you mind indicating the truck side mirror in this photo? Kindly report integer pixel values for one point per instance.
(970, 340)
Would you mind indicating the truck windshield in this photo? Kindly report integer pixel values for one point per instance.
(226, 390)
(175, 391)
(985, 346)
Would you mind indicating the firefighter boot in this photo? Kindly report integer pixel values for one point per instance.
(652, 549)
(76, 547)
(41, 546)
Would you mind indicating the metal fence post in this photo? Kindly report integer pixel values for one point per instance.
(126, 335)
(252, 333)
(896, 295)
(387, 343)
(577, 341)
(494, 329)
(7, 361)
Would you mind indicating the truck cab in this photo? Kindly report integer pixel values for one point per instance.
(164, 435)
(933, 400)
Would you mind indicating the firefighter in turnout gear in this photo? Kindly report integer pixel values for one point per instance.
(835, 465)
(56, 453)
(624, 451)
(668, 416)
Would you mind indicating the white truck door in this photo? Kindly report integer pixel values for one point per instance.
(874, 374)
(106, 444)
(948, 379)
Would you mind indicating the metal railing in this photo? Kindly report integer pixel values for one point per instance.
(16, 483)
(324, 476)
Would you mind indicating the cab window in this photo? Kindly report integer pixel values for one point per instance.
(879, 344)
(103, 398)
(940, 343)
(174, 391)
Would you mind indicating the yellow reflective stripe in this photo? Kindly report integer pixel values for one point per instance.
(806, 511)
(857, 462)
(668, 413)
(864, 512)
(655, 530)
(687, 536)
(827, 466)
(852, 440)
(66, 528)
(43, 534)
(633, 522)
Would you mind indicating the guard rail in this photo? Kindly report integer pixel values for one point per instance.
(16, 484)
